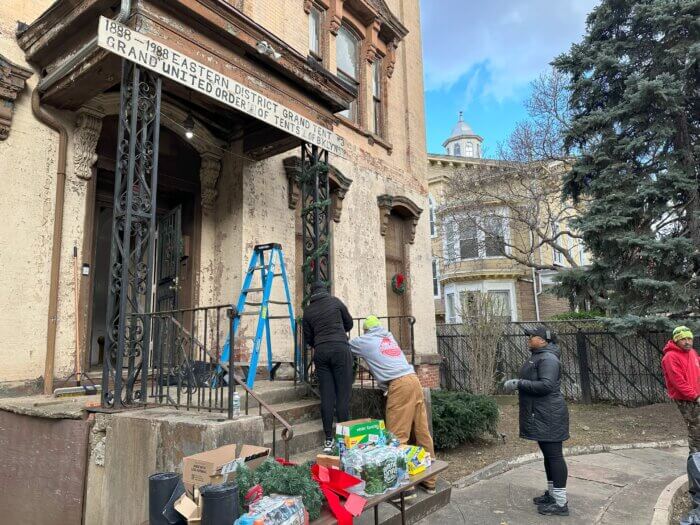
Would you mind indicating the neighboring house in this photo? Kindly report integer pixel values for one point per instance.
(227, 163)
(468, 261)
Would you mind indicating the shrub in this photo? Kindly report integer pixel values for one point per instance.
(459, 417)
(575, 316)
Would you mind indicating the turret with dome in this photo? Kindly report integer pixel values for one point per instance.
(463, 142)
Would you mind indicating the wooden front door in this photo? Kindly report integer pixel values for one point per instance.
(397, 305)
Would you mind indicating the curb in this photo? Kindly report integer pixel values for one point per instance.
(500, 467)
(663, 509)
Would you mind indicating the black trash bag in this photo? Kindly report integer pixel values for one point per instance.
(219, 503)
(164, 489)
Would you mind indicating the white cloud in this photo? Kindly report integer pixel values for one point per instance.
(512, 40)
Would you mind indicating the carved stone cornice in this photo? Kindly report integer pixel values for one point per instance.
(88, 126)
(13, 78)
(209, 171)
(338, 183)
(402, 206)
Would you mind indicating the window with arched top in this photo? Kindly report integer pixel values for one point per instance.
(457, 151)
(469, 150)
(347, 46)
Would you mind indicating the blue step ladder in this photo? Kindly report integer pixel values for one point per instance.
(266, 259)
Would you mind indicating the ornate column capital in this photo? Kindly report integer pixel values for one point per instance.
(88, 125)
(13, 78)
(209, 171)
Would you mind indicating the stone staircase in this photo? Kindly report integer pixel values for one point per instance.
(302, 410)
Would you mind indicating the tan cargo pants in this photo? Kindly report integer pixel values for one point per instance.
(406, 416)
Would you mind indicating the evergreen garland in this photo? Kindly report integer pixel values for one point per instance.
(277, 479)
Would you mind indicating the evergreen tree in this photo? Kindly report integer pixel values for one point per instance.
(635, 109)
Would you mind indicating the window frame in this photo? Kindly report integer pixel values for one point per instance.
(557, 255)
(432, 216)
(317, 54)
(457, 150)
(436, 278)
(487, 286)
(454, 253)
(469, 150)
(353, 112)
(378, 96)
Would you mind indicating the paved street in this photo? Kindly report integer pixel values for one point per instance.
(618, 487)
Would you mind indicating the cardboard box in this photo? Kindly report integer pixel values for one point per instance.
(352, 433)
(190, 510)
(328, 461)
(213, 466)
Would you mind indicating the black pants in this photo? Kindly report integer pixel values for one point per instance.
(333, 362)
(554, 463)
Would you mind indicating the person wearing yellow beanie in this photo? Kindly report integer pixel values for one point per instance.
(406, 415)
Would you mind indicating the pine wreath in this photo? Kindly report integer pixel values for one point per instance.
(398, 283)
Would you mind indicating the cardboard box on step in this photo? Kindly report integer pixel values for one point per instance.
(213, 466)
(328, 461)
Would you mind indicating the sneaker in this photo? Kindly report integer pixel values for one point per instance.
(428, 490)
(552, 509)
(408, 495)
(544, 499)
(328, 446)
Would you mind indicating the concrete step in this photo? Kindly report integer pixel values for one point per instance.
(274, 392)
(307, 437)
(421, 506)
(303, 457)
(294, 412)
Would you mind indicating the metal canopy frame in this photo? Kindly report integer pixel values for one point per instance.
(133, 235)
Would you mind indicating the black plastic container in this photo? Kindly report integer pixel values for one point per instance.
(161, 489)
(219, 504)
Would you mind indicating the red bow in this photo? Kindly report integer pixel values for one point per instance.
(334, 484)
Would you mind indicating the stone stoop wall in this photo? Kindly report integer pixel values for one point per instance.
(126, 448)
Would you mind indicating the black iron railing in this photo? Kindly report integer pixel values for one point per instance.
(186, 370)
(597, 365)
(401, 326)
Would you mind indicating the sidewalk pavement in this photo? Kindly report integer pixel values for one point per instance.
(619, 487)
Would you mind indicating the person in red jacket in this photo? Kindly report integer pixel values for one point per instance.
(681, 366)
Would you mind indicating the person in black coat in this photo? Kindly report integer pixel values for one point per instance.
(544, 416)
(326, 323)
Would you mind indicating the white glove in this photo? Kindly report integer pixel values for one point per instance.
(511, 385)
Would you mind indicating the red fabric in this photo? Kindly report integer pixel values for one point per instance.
(681, 372)
(334, 484)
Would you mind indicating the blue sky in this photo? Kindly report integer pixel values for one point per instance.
(480, 57)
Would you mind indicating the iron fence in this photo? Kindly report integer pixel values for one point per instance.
(402, 328)
(185, 368)
(597, 365)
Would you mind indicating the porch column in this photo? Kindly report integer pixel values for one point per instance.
(133, 232)
(209, 172)
(88, 125)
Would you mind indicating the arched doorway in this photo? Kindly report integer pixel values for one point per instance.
(178, 230)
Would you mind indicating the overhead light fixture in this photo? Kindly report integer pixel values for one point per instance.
(188, 124)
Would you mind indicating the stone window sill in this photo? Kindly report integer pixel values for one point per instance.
(371, 137)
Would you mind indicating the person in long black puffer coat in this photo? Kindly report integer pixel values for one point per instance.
(544, 416)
